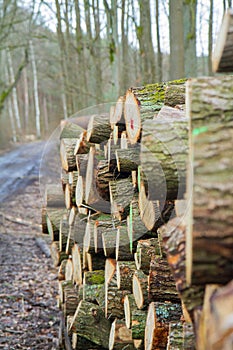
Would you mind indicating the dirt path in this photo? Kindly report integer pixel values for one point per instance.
(29, 317)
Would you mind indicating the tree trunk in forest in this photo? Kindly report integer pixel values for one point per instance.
(35, 90)
(159, 52)
(14, 91)
(210, 37)
(223, 51)
(189, 22)
(176, 31)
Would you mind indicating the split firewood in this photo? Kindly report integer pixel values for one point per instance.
(120, 336)
(138, 324)
(89, 322)
(164, 155)
(70, 190)
(124, 250)
(81, 163)
(125, 271)
(54, 197)
(129, 307)
(67, 156)
(120, 204)
(143, 103)
(61, 270)
(92, 196)
(109, 242)
(80, 191)
(56, 255)
(77, 264)
(218, 318)
(63, 233)
(149, 210)
(109, 270)
(99, 128)
(210, 214)
(173, 236)
(101, 228)
(147, 249)
(127, 159)
(222, 54)
(156, 333)
(53, 222)
(82, 145)
(114, 299)
(69, 269)
(117, 115)
(70, 130)
(71, 301)
(140, 289)
(161, 283)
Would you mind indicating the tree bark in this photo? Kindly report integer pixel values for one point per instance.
(125, 271)
(209, 231)
(120, 336)
(99, 128)
(120, 204)
(68, 159)
(89, 322)
(140, 289)
(147, 249)
(129, 307)
(164, 155)
(138, 324)
(127, 159)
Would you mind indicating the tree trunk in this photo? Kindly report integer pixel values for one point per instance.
(89, 322)
(99, 128)
(212, 206)
(138, 324)
(173, 238)
(140, 289)
(164, 154)
(221, 59)
(14, 91)
(120, 204)
(147, 249)
(68, 159)
(176, 30)
(35, 90)
(120, 336)
(125, 271)
(161, 284)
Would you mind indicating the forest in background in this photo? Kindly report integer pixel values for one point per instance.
(59, 57)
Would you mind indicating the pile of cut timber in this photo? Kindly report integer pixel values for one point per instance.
(141, 259)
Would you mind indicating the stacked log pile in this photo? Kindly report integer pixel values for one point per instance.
(144, 239)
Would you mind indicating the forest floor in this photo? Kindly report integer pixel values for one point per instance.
(29, 316)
